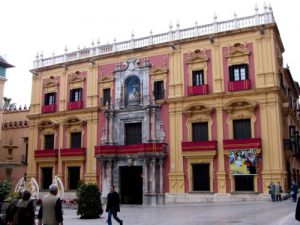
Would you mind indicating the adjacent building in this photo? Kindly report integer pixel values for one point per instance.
(187, 115)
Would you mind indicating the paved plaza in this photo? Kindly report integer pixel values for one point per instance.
(245, 213)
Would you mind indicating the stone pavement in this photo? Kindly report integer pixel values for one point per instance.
(244, 213)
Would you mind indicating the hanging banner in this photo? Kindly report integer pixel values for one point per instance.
(242, 162)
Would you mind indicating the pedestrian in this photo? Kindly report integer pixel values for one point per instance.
(113, 206)
(277, 191)
(50, 212)
(272, 191)
(24, 212)
(11, 209)
(294, 191)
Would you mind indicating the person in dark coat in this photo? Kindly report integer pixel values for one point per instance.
(25, 211)
(294, 191)
(11, 209)
(113, 206)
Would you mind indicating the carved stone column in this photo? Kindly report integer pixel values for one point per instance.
(109, 172)
(153, 184)
(110, 133)
(106, 126)
(145, 176)
(161, 174)
(153, 127)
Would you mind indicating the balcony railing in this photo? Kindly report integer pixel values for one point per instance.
(43, 153)
(239, 85)
(131, 149)
(198, 146)
(232, 144)
(75, 105)
(198, 90)
(151, 40)
(72, 152)
(48, 108)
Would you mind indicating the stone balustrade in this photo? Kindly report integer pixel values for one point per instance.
(172, 35)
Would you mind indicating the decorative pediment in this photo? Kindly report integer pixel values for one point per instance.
(51, 82)
(240, 105)
(74, 120)
(47, 124)
(197, 109)
(238, 50)
(197, 57)
(106, 79)
(76, 77)
(155, 70)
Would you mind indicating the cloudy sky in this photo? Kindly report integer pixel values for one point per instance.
(31, 26)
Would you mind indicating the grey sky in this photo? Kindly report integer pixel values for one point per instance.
(32, 26)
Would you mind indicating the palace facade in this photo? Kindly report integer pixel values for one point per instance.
(207, 112)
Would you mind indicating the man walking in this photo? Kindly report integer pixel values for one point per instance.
(113, 206)
(51, 210)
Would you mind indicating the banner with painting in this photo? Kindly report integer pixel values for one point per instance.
(242, 162)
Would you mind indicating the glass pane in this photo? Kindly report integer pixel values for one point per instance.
(243, 73)
(236, 74)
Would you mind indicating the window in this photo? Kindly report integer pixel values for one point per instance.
(75, 95)
(49, 99)
(133, 133)
(200, 131)
(76, 140)
(198, 77)
(242, 129)
(106, 96)
(238, 72)
(201, 177)
(74, 177)
(46, 177)
(158, 90)
(49, 141)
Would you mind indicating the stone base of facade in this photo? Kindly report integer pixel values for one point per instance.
(214, 197)
(153, 199)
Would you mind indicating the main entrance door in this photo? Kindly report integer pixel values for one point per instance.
(131, 184)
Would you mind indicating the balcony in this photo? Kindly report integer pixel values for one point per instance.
(198, 146)
(45, 153)
(131, 149)
(75, 105)
(198, 90)
(241, 143)
(72, 152)
(48, 108)
(239, 85)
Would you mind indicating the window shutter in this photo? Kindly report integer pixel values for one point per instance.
(46, 99)
(71, 95)
(231, 73)
(246, 71)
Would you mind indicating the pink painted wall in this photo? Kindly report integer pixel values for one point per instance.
(257, 125)
(187, 83)
(225, 126)
(162, 62)
(184, 128)
(260, 168)
(251, 66)
(214, 127)
(84, 88)
(57, 138)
